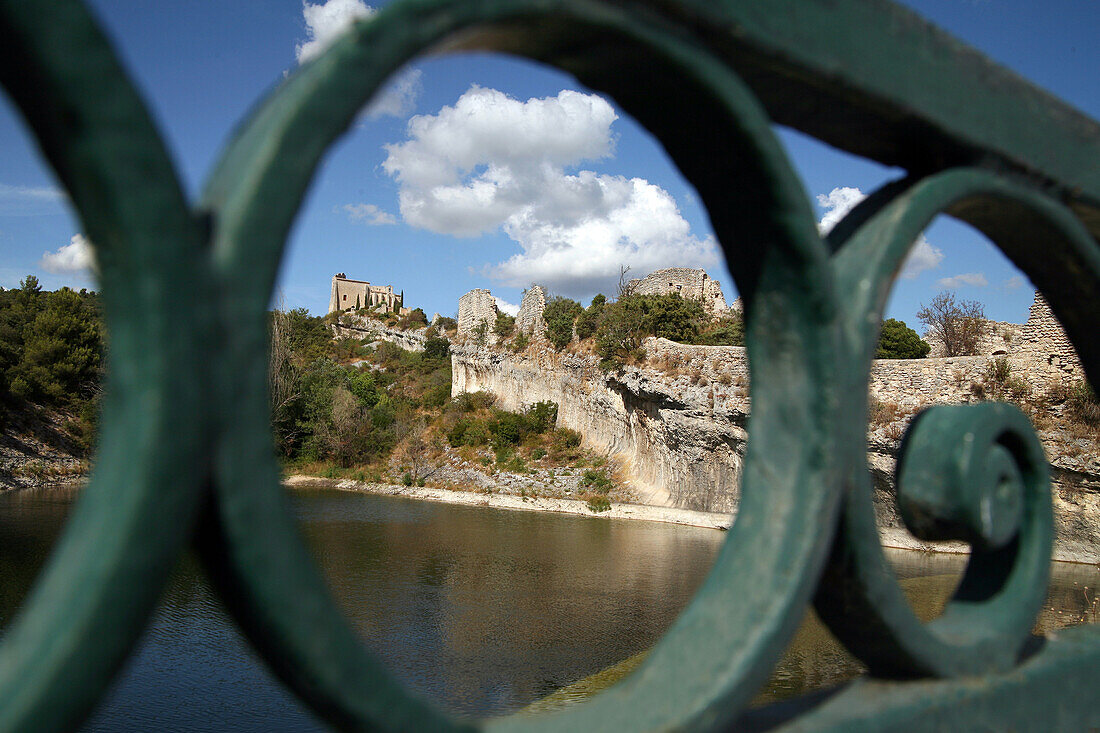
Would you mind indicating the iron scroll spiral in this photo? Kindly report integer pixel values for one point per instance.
(732, 633)
(975, 473)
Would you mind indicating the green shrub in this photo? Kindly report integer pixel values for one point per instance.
(504, 325)
(998, 371)
(559, 315)
(597, 480)
(478, 434)
(437, 348)
(472, 401)
(456, 436)
(1083, 404)
(481, 331)
(519, 343)
(437, 395)
(507, 428)
(588, 321)
(407, 478)
(728, 331)
(541, 416)
(598, 504)
(566, 438)
(897, 341)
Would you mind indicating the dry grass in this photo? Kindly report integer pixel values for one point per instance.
(883, 413)
(894, 431)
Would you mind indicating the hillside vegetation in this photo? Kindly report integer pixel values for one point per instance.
(375, 412)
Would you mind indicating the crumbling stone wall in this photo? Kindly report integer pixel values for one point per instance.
(689, 283)
(998, 340)
(1039, 350)
(1046, 346)
(529, 320)
(475, 307)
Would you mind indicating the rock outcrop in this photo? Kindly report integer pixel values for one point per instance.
(679, 426)
(364, 327)
(681, 443)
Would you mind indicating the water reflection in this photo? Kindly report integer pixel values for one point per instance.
(483, 611)
(488, 610)
(815, 659)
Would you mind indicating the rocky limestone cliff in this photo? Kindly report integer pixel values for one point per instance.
(363, 327)
(679, 427)
(680, 443)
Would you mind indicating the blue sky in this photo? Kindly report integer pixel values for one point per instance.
(510, 173)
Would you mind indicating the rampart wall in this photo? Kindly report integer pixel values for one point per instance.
(1039, 349)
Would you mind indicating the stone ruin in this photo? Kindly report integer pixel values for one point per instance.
(529, 320)
(476, 307)
(689, 283)
(1039, 346)
(479, 304)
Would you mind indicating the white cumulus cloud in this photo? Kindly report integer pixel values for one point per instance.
(842, 199)
(369, 214)
(398, 98)
(325, 22)
(505, 307)
(837, 203)
(973, 279)
(493, 163)
(76, 256)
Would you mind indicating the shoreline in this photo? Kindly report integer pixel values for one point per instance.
(511, 502)
(891, 537)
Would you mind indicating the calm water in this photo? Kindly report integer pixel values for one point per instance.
(483, 611)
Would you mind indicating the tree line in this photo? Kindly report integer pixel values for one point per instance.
(51, 354)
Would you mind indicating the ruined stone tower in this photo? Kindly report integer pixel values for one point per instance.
(475, 307)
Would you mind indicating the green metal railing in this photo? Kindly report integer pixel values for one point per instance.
(185, 454)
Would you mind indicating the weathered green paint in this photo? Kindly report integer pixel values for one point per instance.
(103, 580)
(186, 421)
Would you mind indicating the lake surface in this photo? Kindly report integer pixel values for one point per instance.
(481, 610)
